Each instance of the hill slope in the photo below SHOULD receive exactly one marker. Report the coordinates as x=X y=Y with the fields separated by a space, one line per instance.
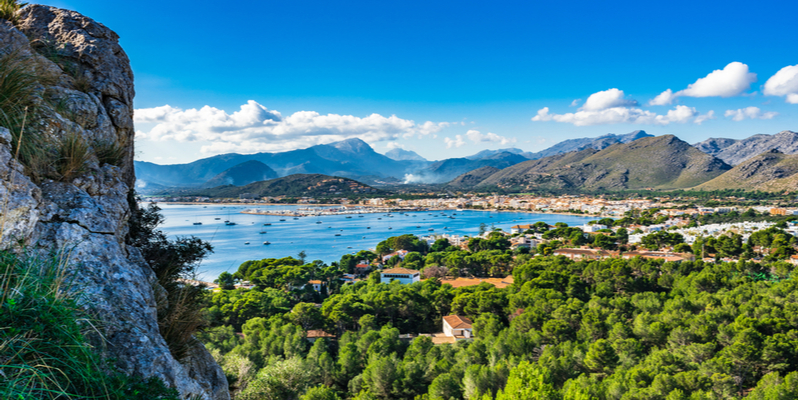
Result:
x=297 y=185
x=449 y=169
x=242 y=174
x=736 y=151
x=652 y=162
x=772 y=171
x=472 y=178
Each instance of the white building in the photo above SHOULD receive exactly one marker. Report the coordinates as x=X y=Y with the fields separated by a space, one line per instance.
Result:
x=457 y=326
x=402 y=275
x=593 y=228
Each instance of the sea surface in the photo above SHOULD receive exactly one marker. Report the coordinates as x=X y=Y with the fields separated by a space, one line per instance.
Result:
x=320 y=240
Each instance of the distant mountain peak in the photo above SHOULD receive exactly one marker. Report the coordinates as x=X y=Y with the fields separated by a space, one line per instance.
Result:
x=352 y=145
x=399 y=154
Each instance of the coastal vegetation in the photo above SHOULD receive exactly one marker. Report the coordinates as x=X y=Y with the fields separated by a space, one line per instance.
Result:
x=592 y=329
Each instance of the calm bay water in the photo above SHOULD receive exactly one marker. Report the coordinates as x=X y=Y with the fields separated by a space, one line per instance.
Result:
x=319 y=241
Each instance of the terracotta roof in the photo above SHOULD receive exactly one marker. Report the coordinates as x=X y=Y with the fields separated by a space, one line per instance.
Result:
x=458 y=322
x=315 y=282
x=362 y=265
x=400 y=271
x=499 y=283
x=319 y=333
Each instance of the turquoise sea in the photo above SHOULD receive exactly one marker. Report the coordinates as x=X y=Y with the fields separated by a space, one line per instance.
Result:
x=320 y=240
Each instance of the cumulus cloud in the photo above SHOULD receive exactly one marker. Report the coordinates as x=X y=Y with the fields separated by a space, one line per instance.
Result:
x=749 y=113
x=607 y=99
x=704 y=117
x=617 y=115
x=457 y=142
x=394 y=145
x=477 y=137
x=730 y=81
x=255 y=128
x=783 y=83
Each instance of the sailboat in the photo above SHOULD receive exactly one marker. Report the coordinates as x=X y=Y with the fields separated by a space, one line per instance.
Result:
x=228 y=221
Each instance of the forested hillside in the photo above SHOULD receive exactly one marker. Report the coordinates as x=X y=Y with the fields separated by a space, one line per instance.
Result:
x=610 y=329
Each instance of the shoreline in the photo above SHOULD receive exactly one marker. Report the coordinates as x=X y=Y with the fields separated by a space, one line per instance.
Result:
x=386 y=209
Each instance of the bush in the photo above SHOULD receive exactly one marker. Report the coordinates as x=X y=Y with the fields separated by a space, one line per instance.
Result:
x=43 y=350
x=175 y=262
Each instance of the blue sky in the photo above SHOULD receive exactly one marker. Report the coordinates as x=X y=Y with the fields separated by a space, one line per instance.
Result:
x=470 y=75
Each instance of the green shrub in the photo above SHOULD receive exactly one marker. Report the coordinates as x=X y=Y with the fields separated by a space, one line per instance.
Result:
x=43 y=350
x=180 y=314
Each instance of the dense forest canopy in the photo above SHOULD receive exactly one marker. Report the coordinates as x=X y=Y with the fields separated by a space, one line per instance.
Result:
x=604 y=329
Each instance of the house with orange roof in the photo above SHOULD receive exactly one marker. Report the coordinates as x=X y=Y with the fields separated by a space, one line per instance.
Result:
x=314 y=334
x=457 y=327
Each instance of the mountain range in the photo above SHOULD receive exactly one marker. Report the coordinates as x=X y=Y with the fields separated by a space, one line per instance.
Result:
x=734 y=151
x=355 y=159
x=772 y=171
x=661 y=162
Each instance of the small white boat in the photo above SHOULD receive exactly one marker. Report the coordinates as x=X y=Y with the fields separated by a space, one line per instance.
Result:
x=266 y=243
x=246 y=242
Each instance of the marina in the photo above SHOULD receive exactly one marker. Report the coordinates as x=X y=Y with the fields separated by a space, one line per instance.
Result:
x=286 y=237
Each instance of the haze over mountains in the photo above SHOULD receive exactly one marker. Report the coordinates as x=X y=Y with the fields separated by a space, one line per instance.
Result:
x=609 y=161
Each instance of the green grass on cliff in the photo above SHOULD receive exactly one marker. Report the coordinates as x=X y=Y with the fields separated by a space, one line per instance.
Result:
x=44 y=353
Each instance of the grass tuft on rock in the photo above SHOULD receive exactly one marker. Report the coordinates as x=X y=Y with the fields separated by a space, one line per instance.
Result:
x=8 y=10
x=44 y=353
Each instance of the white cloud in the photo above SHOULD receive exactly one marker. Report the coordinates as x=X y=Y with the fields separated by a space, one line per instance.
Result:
x=575 y=103
x=663 y=99
x=607 y=99
x=617 y=115
x=749 y=113
x=457 y=142
x=783 y=83
x=704 y=117
x=394 y=145
x=255 y=128
x=477 y=137
x=730 y=81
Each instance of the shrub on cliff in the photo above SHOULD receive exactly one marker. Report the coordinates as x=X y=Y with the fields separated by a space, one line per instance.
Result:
x=180 y=312
x=44 y=353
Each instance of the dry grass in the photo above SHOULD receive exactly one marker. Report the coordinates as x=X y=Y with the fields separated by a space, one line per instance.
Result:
x=8 y=10
x=109 y=152
x=72 y=157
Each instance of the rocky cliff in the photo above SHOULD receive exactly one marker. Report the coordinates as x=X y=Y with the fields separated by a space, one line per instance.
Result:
x=85 y=91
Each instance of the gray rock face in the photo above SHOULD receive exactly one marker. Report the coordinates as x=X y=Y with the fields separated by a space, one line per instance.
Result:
x=734 y=151
x=89 y=92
